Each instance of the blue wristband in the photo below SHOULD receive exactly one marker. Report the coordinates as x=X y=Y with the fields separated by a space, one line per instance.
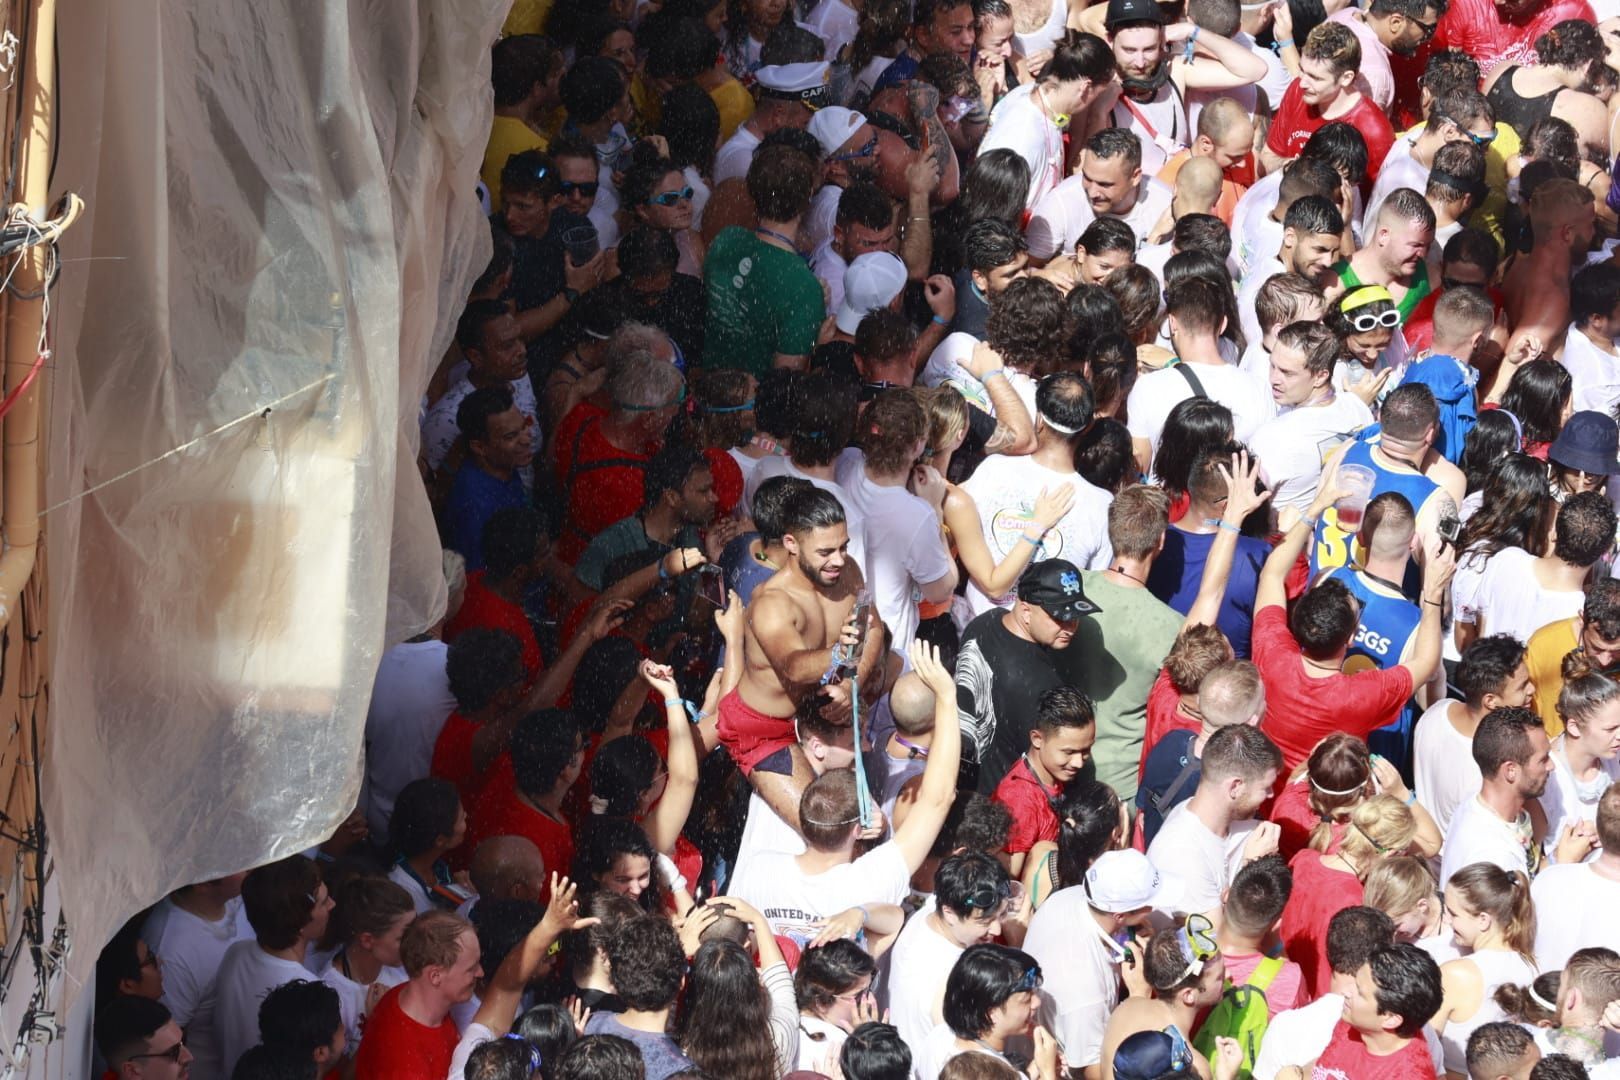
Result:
x=939 y=321
x=1036 y=544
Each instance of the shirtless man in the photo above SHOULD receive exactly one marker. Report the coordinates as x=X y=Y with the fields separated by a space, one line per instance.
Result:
x=796 y=618
x=1563 y=222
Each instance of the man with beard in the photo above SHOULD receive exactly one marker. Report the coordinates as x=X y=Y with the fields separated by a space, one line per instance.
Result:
x=1396 y=251
x=1110 y=182
x=1389 y=27
x=1563 y=221
x=796 y=621
x=1153 y=95
x=1326 y=90
x=1515 y=759
x=1310 y=247
x=865 y=223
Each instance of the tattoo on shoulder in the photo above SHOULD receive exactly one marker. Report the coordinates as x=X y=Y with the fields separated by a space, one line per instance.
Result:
x=999 y=440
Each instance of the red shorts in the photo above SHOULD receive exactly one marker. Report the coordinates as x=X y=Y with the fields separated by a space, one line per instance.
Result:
x=749 y=735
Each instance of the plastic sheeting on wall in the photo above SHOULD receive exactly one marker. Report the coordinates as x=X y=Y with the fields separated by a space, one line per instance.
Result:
x=282 y=226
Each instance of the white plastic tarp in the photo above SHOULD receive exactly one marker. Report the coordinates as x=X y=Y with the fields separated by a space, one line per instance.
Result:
x=281 y=216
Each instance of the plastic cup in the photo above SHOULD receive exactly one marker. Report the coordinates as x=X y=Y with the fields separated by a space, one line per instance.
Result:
x=1357 y=483
x=581 y=243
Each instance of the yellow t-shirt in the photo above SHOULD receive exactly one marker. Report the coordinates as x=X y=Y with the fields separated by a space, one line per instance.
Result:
x=736 y=105
x=526 y=17
x=1543 y=659
x=507 y=136
x=1492 y=212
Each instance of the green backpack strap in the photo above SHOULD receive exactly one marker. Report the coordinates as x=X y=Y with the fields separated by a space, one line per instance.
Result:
x=1265 y=971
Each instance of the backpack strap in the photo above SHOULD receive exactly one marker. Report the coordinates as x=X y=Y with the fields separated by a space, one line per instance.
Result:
x=575 y=468
x=1192 y=379
x=1264 y=972
x=1166 y=799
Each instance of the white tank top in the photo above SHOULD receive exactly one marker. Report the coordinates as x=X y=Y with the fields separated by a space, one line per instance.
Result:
x=1497 y=967
x=1047 y=35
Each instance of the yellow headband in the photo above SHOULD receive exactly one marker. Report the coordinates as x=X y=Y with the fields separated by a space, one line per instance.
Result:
x=1366 y=294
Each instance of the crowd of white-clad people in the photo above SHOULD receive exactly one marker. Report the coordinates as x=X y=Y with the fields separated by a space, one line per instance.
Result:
x=988 y=539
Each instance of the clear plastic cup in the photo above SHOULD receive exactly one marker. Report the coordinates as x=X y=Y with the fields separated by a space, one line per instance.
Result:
x=1357 y=483
x=582 y=244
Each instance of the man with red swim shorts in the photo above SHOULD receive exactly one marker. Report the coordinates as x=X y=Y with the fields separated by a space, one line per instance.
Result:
x=795 y=618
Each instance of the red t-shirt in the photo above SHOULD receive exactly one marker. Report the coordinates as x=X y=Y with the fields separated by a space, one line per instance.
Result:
x=603 y=484
x=1293 y=815
x=1295 y=123
x=1300 y=710
x=1319 y=893
x=483 y=608
x=728 y=481
x=502 y=813
x=1347 y=1058
x=1162 y=717
x=1030 y=801
x=398 y=1048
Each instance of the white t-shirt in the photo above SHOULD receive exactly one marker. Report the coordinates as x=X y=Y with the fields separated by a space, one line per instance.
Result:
x=246 y=975
x=904 y=552
x=1567 y=801
x=829 y=268
x=1080 y=973
x=1595 y=373
x=1292 y=446
x=355 y=1001
x=1575 y=906
x=1400 y=170
x=939 y=1049
x=947 y=366
x=1477 y=834
x=191 y=950
x=1255 y=236
x=834 y=22
x=1207 y=863
x=1446 y=772
x=1065 y=213
x=765 y=831
x=735 y=155
x=1158 y=392
x=796 y=903
x=821 y=218
x=782 y=465
x=1018 y=124
x=919 y=964
x=1511 y=601
x=410 y=700
x=1165 y=132
x=1005 y=490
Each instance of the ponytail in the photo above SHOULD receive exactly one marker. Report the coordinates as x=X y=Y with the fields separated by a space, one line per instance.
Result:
x=1504 y=895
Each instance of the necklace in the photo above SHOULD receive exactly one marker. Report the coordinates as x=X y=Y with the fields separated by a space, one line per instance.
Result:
x=1122 y=572
x=915 y=750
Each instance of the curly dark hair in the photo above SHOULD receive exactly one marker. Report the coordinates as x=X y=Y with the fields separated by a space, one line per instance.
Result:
x=1026 y=320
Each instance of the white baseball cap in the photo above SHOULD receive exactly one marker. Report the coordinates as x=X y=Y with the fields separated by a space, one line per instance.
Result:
x=872 y=282
x=833 y=127
x=1121 y=881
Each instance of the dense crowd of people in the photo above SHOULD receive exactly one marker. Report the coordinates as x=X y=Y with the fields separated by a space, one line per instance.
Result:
x=988 y=539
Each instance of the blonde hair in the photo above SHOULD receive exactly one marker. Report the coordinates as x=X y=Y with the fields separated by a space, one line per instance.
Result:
x=947 y=413
x=1383 y=825
x=1504 y=895
x=1397 y=885
x=433 y=939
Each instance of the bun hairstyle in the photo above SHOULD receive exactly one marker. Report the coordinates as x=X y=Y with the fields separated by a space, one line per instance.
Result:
x=1585 y=689
x=1339 y=772
x=1379 y=827
x=1504 y=895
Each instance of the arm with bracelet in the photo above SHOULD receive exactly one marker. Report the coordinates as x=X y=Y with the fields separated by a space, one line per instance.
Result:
x=1015 y=428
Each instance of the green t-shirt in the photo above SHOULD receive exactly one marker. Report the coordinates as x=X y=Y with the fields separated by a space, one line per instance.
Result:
x=761 y=301
x=624 y=537
x=1121 y=649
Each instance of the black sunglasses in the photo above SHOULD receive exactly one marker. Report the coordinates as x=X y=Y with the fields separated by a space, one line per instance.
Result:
x=587 y=188
x=172 y=1053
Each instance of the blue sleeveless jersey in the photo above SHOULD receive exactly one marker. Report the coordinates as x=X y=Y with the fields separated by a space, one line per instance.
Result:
x=1332 y=546
x=1388 y=623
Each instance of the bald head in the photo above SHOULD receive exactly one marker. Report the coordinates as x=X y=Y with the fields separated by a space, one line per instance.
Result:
x=508 y=868
x=1198 y=186
x=912 y=704
x=1225 y=132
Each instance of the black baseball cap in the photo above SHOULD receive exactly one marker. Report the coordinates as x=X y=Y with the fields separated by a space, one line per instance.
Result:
x=1133 y=11
x=1054 y=585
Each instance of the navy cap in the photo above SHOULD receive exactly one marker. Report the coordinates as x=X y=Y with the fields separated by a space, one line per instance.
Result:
x=1149 y=1055
x=1590 y=442
x=1054 y=585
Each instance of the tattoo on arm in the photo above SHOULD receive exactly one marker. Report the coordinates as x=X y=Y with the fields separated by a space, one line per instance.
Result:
x=1000 y=439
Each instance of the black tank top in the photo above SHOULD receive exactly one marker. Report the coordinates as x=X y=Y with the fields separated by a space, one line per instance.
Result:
x=1518 y=112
